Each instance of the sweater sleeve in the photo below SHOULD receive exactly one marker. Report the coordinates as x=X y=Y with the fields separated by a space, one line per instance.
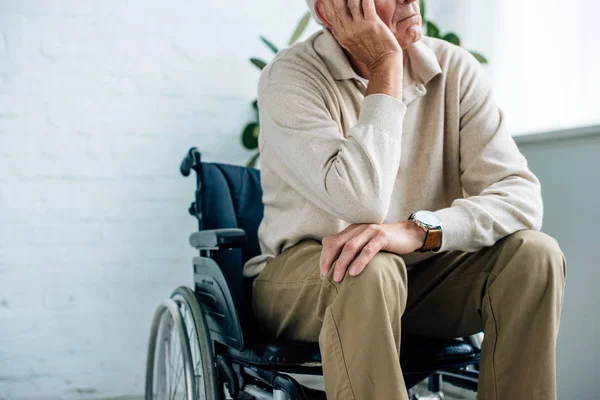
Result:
x=350 y=177
x=502 y=195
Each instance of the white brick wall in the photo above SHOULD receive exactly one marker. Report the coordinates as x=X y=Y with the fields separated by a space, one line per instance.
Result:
x=99 y=101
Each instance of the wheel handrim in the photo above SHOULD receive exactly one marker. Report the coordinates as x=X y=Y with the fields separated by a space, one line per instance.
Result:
x=172 y=376
x=175 y=370
x=192 y=332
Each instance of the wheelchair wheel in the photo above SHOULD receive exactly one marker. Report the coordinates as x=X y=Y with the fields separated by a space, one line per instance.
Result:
x=180 y=354
x=200 y=344
x=169 y=371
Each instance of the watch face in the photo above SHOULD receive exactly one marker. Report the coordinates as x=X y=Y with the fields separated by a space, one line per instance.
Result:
x=428 y=218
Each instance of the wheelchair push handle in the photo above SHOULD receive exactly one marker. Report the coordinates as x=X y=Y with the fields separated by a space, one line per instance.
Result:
x=190 y=161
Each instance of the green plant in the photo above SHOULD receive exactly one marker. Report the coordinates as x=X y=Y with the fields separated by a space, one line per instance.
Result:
x=251 y=131
x=432 y=30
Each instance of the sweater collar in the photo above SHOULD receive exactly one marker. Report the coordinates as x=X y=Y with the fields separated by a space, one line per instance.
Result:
x=424 y=65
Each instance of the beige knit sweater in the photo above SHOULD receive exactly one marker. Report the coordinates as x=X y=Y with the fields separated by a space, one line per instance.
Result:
x=331 y=157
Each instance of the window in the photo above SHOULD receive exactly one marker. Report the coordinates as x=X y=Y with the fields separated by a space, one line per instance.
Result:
x=544 y=57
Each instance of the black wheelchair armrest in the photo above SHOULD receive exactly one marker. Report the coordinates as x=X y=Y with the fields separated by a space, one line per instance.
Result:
x=218 y=239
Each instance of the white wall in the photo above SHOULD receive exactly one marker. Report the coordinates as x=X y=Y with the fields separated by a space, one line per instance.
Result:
x=99 y=101
x=567 y=165
x=549 y=50
x=544 y=57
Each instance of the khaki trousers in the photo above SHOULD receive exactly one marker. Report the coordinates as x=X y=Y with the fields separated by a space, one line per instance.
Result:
x=511 y=291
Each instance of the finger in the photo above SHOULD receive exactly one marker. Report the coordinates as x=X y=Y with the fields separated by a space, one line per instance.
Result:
x=355 y=9
x=332 y=246
x=369 y=10
x=341 y=11
x=369 y=251
x=351 y=231
x=329 y=253
x=326 y=11
x=350 y=251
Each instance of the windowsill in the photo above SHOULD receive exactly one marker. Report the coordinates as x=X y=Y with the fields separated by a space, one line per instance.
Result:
x=558 y=135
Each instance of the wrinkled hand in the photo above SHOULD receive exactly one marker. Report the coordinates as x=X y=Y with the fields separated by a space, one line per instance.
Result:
x=355 y=246
x=358 y=28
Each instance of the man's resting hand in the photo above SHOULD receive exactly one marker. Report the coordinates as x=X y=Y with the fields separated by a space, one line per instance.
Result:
x=355 y=246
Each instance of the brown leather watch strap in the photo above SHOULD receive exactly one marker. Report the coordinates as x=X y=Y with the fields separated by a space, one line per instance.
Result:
x=433 y=241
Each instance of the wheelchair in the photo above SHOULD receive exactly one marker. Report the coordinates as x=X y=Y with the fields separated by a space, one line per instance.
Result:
x=205 y=343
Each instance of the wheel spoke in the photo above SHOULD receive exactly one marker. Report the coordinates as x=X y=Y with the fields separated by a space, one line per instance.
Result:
x=175 y=363
x=160 y=383
x=177 y=370
x=168 y=370
x=180 y=370
x=175 y=354
x=178 y=377
x=194 y=347
x=190 y=321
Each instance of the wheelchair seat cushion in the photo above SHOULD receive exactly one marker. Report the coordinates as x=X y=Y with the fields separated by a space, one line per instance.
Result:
x=279 y=353
x=418 y=354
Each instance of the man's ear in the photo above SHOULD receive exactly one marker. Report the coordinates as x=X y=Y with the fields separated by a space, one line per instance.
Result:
x=320 y=12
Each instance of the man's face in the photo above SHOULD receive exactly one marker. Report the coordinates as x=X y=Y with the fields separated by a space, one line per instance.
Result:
x=403 y=17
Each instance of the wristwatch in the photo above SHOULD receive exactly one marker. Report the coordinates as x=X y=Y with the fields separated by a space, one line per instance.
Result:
x=433 y=230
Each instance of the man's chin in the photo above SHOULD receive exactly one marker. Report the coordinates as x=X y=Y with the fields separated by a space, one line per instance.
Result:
x=410 y=36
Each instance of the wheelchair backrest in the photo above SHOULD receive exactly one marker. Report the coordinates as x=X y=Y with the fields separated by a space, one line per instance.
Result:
x=231 y=197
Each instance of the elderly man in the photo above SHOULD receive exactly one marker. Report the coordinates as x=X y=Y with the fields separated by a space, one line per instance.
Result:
x=397 y=203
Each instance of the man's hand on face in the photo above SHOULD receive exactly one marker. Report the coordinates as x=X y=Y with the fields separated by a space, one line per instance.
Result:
x=357 y=27
x=355 y=246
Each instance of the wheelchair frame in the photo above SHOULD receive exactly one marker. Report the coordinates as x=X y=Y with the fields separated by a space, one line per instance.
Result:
x=218 y=313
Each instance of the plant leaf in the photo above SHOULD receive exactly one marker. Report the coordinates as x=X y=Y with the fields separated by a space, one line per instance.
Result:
x=269 y=44
x=250 y=136
x=259 y=63
x=480 y=57
x=432 y=30
x=452 y=38
x=255 y=105
x=252 y=162
x=422 y=6
x=300 y=28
